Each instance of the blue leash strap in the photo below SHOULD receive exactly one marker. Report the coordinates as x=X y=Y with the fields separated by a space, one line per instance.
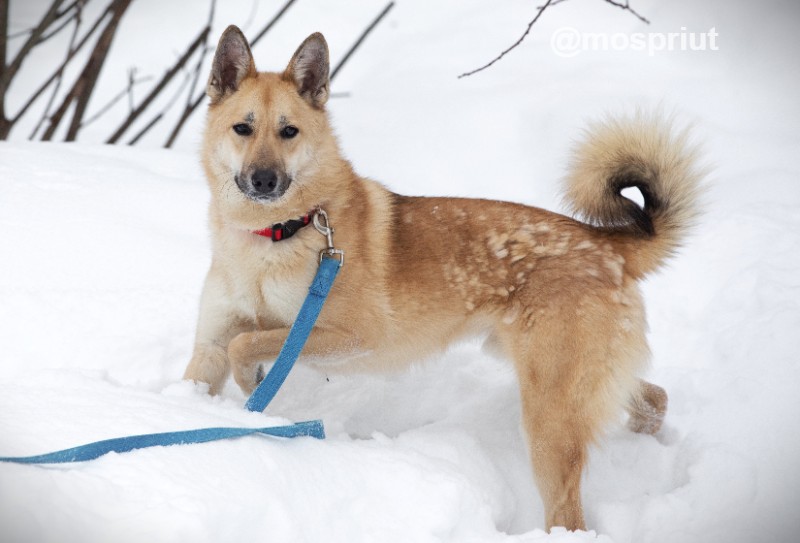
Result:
x=90 y=451
x=298 y=335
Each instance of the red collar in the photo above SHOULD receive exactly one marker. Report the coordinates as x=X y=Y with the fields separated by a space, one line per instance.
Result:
x=285 y=230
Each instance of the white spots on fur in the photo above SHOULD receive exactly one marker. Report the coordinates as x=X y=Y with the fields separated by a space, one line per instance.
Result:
x=511 y=315
x=542 y=228
x=584 y=245
x=435 y=210
x=614 y=263
x=469 y=305
x=621 y=297
x=408 y=218
x=497 y=244
x=560 y=248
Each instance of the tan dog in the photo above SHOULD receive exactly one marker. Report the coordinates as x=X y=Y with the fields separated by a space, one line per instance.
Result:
x=559 y=297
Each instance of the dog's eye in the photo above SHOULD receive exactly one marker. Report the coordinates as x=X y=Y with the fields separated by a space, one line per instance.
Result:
x=243 y=129
x=288 y=132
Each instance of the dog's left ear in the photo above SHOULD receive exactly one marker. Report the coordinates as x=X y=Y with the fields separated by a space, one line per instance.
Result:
x=309 y=70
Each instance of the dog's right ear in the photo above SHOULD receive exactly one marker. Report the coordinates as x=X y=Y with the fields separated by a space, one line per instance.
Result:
x=233 y=62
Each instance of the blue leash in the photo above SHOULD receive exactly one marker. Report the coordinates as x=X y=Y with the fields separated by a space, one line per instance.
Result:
x=90 y=451
x=298 y=335
x=258 y=401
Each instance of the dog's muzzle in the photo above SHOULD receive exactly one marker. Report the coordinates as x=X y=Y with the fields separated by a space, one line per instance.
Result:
x=264 y=184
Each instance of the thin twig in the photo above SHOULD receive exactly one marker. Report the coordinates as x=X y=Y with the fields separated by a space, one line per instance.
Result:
x=60 y=27
x=272 y=22
x=159 y=87
x=515 y=44
x=162 y=113
x=361 y=38
x=82 y=89
x=245 y=26
x=60 y=78
x=550 y=3
x=129 y=89
x=198 y=98
x=28 y=31
x=60 y=70
x=117 y=97
x=11 y=70
x=198 y=67
x=626 y=7
x=205 y=47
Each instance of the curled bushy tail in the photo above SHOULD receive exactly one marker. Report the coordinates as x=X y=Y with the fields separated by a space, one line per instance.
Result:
x=642 y=151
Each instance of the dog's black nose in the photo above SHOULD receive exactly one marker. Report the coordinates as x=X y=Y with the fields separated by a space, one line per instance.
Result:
x=264 y=181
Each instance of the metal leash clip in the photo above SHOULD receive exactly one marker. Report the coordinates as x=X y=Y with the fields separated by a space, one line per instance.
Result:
x=327 y=230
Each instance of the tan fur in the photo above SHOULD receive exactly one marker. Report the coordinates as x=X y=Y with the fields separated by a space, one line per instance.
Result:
x=558 y=297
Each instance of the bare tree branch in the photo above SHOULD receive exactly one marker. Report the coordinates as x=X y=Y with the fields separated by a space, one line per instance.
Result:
x=513 y=46
x=81 y=91
x=198 y=67
x=361 y=38
x=162 y=113
x=549 y=3
x=193 y=104
x=159 y=87
x=70 y=48
x=60 y=70
x=271 y=23
x=117 y=97
x=627 y=7
x=5 y=125
x=78 y=7
x=11 y=70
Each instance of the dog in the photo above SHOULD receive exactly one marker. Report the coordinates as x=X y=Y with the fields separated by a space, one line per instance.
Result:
x=556 y=295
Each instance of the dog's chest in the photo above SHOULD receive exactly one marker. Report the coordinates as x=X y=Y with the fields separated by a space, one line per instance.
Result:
x=270 y=286
x=281 y=296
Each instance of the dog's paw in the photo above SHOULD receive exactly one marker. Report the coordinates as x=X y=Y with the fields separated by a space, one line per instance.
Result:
x=648 y=412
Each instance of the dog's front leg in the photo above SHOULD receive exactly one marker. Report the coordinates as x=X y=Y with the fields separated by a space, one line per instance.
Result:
x=217 y=325
x=247 y=350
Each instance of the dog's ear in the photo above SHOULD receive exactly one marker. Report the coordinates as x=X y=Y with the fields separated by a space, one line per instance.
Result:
x=233 y=62
x=309 y=70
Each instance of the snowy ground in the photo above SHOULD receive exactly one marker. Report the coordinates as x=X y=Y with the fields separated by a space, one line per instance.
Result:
x=104 y=251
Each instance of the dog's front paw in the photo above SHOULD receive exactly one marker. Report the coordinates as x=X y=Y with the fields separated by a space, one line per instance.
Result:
x=209 y=364
x=246 y=374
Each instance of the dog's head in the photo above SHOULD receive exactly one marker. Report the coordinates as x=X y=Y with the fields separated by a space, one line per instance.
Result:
x=267 y=134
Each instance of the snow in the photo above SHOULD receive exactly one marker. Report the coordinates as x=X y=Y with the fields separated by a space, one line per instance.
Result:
x=104 y=250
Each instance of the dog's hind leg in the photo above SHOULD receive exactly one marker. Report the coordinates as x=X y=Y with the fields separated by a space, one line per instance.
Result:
x=558 y=446
x=576 y=365
x=647 y=408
